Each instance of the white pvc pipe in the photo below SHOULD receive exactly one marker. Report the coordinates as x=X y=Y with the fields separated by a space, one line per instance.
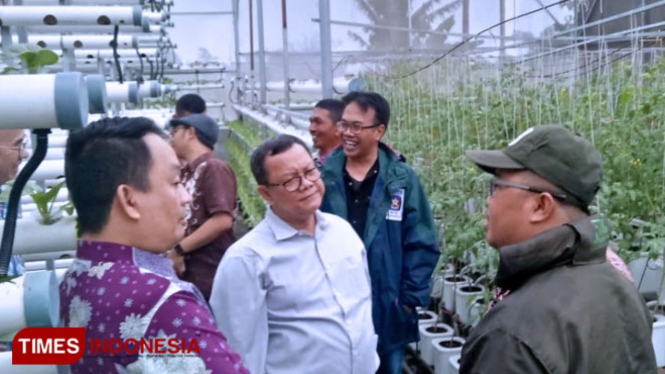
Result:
x=6 y=366
x=340 y=85
x=85 y=2
x=56 y=153
x=51 y=169
x=108 y=53
x=70 y=15
x=122 y=93
x=277 y=127
x=81 y=41
x=12 y=312
x=32 y=237
x=97 y=29
x=43 y=101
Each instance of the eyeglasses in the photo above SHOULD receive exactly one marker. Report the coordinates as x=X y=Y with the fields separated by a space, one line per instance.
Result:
x=20 y=148
x=494 y=183
x=356 y=128
x=294 y=183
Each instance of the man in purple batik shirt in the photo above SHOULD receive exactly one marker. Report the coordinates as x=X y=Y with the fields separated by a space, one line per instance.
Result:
x=124 y=180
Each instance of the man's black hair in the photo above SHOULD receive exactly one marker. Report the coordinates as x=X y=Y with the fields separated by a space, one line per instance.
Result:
x=191 y=103
x=271 y=147
x=101 y=157
x=334 y=107
x=366 y=100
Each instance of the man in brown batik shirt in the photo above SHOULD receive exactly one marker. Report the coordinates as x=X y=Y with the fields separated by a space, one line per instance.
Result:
x=212 y=184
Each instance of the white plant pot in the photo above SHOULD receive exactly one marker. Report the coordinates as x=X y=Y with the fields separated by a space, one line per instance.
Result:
x=454 y=363
x=450 y=283
x=426 y=337
x=428 y=319
x=478 y=308
x=464 y=295
x=437 y=282
x=658 y=339
x=443 y=354
x=647 y=274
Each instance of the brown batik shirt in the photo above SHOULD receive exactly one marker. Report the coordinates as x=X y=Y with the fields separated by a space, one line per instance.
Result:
x=212 y=184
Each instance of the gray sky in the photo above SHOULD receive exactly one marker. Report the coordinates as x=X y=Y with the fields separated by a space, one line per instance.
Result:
x=215 y=32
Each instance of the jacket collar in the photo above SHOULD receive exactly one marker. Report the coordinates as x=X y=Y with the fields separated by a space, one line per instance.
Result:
x=581 y=242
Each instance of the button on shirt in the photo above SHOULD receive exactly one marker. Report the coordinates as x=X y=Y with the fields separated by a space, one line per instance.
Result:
x=291 y=303
x=358 y=195
x=110 y=291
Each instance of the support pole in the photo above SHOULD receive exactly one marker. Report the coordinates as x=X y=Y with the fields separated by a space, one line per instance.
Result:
x=326 y=49
x=285 y=50
x=262 y=53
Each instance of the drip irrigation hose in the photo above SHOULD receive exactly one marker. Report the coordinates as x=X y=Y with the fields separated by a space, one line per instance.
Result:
x=15 y=198
x=116 y=56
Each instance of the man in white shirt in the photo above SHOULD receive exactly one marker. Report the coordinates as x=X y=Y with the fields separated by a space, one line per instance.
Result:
x=293 y=295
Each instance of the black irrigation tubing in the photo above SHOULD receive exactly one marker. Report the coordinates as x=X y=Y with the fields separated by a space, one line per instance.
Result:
x=116 y=56
x=468 y=39
x=141 y=61
x=152 y=69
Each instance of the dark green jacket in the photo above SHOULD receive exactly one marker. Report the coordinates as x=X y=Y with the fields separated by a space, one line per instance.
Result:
x=401 y=253
x=569 y=311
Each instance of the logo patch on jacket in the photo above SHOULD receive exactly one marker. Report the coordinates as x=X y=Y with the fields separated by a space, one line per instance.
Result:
x=396 y=206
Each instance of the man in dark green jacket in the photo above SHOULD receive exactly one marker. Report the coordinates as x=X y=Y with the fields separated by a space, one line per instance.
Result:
x=560 y=308
x=370 y=186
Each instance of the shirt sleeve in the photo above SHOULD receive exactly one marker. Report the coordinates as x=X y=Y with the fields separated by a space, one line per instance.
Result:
x=499 y=352
x=238 y=301
x=218 y=188
x=183 y=316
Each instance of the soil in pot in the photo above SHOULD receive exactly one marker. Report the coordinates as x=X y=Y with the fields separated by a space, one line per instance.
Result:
x=436 y=329
x=450 y=344
x=470 y=289
x=423 y=316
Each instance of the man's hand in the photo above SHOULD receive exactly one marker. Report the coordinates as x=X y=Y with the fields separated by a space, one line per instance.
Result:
x=178 y=262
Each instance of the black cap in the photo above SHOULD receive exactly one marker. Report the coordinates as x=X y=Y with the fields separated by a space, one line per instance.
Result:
x=568 y=161
x=206 y=128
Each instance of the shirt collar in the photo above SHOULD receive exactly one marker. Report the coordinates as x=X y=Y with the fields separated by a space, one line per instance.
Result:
x=97 y=251
x=282 y=230
x=192 y=165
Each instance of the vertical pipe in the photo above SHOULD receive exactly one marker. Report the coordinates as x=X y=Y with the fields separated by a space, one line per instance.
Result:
x=326 y=49
x=502 y=29
x=251 y=37
x=262 y=52
x=236 y=40
x=465 y=18
x=410 y=15
x=285 y=51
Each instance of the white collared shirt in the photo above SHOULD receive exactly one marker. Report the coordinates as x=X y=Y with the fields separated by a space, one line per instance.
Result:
x=289 y=302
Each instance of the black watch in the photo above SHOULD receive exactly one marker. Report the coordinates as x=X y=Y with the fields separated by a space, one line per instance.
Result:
x=178 y=249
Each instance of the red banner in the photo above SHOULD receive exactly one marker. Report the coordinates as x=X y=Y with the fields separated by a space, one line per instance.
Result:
x=48 y=346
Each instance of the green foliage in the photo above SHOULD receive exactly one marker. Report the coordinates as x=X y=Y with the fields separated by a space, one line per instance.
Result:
x=32 y=58
x=45 y=201
x=239 y=146
x=459 y=105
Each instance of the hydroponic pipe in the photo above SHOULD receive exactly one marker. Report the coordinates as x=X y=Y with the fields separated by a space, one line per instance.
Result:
x=15 y=198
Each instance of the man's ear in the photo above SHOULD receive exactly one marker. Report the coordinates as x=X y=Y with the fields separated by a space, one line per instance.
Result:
x=265 y=194
x=544 y=208
x=380 y=131
x=126 y=198
x=190 y=132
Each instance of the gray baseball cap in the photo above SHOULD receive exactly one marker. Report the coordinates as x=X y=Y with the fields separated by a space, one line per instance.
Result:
x=206 y=128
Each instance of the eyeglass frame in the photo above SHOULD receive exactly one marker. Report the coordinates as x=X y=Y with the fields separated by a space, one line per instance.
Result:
x=503 y=183
x=299 y=177
x=355 y=128
x=20 y=148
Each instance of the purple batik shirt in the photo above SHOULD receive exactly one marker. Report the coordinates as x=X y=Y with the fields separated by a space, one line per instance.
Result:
x=120 y=292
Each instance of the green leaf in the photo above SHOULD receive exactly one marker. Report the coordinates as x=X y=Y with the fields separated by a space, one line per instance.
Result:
x=8 y=69
x=46 y=57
